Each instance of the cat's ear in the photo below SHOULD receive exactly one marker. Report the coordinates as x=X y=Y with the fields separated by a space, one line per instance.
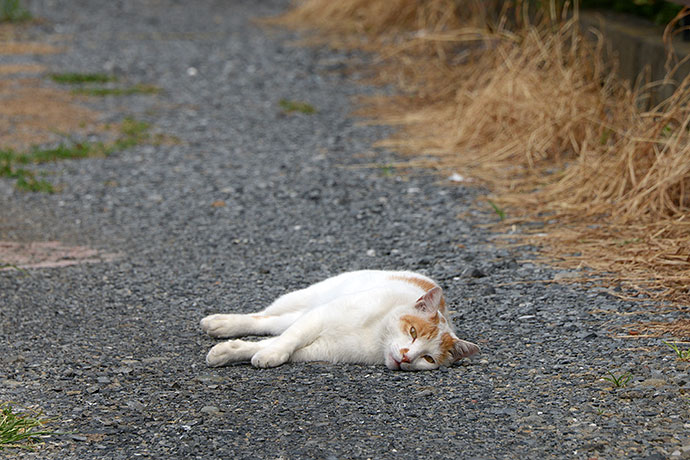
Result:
x=463 y=349
x=431 y=301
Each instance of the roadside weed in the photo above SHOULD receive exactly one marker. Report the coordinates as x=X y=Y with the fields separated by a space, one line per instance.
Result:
x=683 y=355
x=14 y=164
x=497 y=210
x=136 y=89
x=620 y=381
x=73 y=78
x=296 y=106
x=12 y=11
x=4 y=265
x=20 y=430
x=387 y=170
x=88 y=84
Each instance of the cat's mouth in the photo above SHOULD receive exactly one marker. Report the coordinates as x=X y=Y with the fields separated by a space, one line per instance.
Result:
x=394 y=364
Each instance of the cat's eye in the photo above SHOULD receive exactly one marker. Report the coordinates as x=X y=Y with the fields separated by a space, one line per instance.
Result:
x=429 y=359
x=413 y=332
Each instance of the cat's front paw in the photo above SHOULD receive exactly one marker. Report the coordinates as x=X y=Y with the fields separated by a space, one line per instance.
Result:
x=226 y=352
x=270 y=358
x=219 y=325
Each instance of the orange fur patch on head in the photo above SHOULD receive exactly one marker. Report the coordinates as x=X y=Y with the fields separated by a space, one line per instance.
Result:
x=424 y=328
x=425 y=284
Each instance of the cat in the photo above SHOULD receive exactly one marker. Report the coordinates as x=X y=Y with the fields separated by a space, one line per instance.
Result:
x=396 y=318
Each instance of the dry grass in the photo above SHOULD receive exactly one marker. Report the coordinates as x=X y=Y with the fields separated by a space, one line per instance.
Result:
x=31 y=114
x=535 y=112
x=12 y=69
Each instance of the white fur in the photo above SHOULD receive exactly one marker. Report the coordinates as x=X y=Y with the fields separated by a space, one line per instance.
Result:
x=353 y=317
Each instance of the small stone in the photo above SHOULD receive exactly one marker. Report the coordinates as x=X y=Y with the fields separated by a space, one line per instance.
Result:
x=526 y=317
x=655 y=383
x=489 y=290
x=587 y=335
x=103 y=380
x=134 y=404
x=476 y=273
x=560 y=276
x=92 y=389
x=122 y=370
x=210 y=410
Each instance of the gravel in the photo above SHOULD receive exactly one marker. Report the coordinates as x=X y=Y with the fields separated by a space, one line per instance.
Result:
x=113 y=354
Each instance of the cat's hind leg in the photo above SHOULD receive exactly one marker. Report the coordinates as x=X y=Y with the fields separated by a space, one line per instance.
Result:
x=291 y=302
x=234 y=351
x=235 y=325
x=300 y=333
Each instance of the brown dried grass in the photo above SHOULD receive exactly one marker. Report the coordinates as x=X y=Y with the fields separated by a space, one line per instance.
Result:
x=31 y=111
x=536 y=113
x=32 y=114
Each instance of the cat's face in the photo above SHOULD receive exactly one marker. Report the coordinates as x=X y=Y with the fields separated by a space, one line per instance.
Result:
x=421 y=338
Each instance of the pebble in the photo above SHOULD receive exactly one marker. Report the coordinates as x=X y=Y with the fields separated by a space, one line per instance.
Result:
x=210 y=410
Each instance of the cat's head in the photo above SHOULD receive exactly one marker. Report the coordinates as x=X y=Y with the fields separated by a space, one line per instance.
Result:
x=421 y=338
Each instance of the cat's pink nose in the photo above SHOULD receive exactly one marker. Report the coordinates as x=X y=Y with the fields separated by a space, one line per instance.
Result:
x=403 y=352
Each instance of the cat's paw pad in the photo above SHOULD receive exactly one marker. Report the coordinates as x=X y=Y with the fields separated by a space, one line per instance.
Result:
x=224 y=353
x=270 y=358
x=218 y=325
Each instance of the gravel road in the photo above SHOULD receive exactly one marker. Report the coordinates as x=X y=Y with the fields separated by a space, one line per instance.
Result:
x=252 y=202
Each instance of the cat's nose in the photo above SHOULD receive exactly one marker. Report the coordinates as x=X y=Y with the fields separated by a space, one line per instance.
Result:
x=403 y=352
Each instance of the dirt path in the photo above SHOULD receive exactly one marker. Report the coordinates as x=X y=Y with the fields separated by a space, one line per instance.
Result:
x=254 y=200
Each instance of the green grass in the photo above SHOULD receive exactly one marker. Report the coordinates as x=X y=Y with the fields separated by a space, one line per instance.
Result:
x=88 y=82
x=4 y=265
x=134 y=132
x=683 y=355
x=20 y=429
x=12 y=11
x=296 y=106
x=387 y=170
x=497 y=210
x=72 y=78
x=13 y=164
x=621 y=381
x=128 y=91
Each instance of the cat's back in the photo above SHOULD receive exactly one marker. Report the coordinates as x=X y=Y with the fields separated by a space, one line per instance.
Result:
x=376 y=282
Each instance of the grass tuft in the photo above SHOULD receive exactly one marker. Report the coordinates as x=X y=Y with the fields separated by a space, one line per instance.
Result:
x=13 y=164
x=72 y=78
x=683 y=355
x=501 y=213
x=621 y=381
x=20 y=429
x=296 y=106
x=128 y=91
x=12 y=11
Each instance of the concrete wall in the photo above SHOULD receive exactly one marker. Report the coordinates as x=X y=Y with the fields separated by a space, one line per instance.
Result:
x=638 y=45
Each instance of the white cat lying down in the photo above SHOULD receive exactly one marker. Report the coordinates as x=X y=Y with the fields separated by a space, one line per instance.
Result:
x=373 y=317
